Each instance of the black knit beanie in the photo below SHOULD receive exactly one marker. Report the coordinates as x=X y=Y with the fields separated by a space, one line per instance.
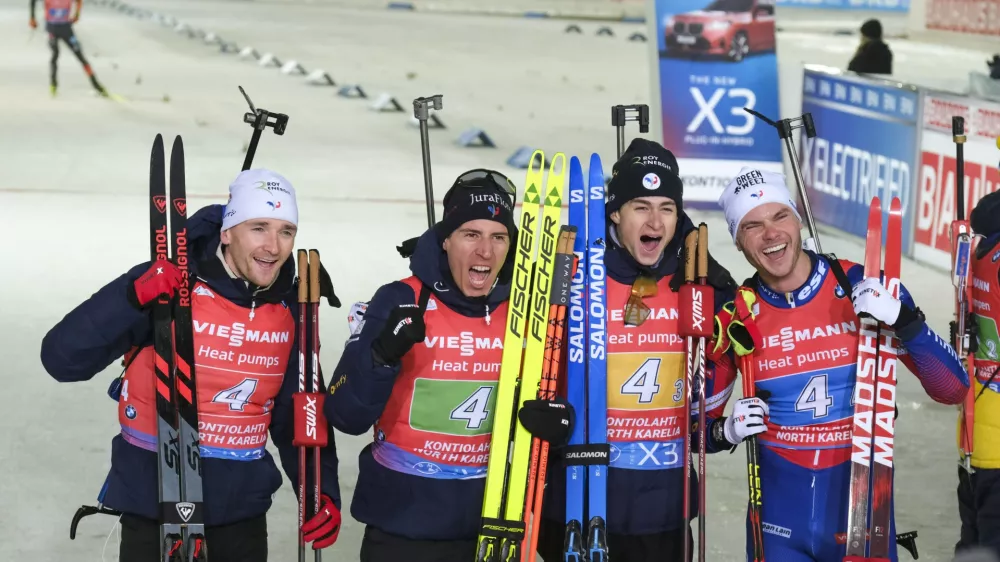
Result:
x=472 y=200
x=645 y=169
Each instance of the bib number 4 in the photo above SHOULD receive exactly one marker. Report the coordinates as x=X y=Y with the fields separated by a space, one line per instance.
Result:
x=474 y=409
x=237 y=396
x=643 y=382
x=815 y=398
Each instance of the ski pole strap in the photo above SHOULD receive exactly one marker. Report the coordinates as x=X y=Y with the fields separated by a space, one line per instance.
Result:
x=502 y=529
x=587 y=454
x=838 y=272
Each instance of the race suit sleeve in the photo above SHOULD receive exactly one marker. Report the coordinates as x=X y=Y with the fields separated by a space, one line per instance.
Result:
x=720 y=381
x=360 y=387
x=283 y=432
x=926 y=354
x=96 y=333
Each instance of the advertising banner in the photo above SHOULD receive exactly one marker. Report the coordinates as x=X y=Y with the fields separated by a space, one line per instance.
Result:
x=935 y=192
x=981 y=17
x=865 y=146
x=902 y=6
x=715 y=58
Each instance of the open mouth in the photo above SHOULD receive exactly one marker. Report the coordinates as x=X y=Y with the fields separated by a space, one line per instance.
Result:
x=265 y=263
x=775 y=252
x=478 y=275
x=650 y=243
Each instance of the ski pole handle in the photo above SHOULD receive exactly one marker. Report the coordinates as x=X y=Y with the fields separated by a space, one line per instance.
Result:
x=690 y=249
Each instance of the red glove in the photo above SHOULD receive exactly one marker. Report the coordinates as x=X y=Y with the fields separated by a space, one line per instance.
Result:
x=323 y=528
x=162 y=277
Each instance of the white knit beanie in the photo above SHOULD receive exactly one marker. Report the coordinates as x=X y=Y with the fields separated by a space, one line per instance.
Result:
x=750 y=189
x=260 y=194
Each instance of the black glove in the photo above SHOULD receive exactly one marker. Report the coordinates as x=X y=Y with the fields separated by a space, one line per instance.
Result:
x=971 y=330
x=548 y=420
x=403 y=329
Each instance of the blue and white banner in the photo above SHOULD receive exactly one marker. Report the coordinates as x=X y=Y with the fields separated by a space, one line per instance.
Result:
x=715 y=58
x=865 y=146
x=902 y=6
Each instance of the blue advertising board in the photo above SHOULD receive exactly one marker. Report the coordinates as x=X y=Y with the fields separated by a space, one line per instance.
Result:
x=902 y=6
x=865 y=146
x=715 y=58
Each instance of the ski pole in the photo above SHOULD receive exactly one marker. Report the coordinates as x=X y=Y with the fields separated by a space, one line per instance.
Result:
x=620 y=114
x=420 y=106
x=260 y=119
x=961 y=255
x=314 y=289
x=701 y=320
x=785 y=128
x=690 y=249
x=753 y=464
x=552 y=362
x=304 y=278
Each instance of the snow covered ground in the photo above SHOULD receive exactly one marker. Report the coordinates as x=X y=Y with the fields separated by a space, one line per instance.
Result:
x=75 y=177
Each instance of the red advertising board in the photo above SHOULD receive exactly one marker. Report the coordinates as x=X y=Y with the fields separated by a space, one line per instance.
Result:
x=935 y=206
x=981 y=17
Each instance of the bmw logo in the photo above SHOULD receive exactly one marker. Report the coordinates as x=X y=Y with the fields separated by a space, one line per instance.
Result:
x=130 y=412
x=839 y=291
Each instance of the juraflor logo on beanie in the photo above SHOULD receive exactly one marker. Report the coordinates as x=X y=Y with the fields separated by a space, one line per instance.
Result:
x=472 y=203
x=260 y=194
x=646 y=169
x=750 y=189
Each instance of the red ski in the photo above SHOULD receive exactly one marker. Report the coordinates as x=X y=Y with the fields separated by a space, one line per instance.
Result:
x=873 y=429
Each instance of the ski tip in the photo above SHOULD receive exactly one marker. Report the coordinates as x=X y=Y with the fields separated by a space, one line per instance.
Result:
x=896 y=206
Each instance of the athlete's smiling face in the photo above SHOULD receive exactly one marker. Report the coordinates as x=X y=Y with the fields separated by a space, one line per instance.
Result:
x=258 y=248
x=645 y=226
x=770 y=238
x=476 y=252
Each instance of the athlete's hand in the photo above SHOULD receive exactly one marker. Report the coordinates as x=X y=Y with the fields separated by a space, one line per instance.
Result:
x=747 y=419
x=323 y=528
x=548 y=420
x=32 y=23
x=356 y=317
x=403 y=329
x=162 y=278
x=872 y=298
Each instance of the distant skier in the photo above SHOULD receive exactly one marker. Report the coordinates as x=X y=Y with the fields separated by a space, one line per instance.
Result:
x=646 y=226
x=979 y=492
x=808 y=321
x=421 y=369
x=244 y=302
x=60 y=16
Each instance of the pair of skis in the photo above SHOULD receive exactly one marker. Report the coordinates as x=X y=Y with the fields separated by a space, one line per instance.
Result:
x=587 y=454
x=537 y=284
x=182 y=529
x=873 y=425
x=310 y=424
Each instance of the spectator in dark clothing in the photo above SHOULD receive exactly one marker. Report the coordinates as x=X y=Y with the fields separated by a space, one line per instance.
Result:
x=873 y=55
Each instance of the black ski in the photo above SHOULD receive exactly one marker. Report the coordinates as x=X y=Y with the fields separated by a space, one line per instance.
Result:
x=180 y=490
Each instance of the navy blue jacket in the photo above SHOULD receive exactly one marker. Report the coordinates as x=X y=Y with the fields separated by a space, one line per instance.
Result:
x=404 y=504
x=105 y=327
x=641 y=501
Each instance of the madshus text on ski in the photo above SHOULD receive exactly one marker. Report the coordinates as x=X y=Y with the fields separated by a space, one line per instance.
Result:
x=535 y=387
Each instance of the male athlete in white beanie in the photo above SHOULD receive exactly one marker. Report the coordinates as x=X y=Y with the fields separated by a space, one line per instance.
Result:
x=243 y=298
x=258 y=226
x=806 y=309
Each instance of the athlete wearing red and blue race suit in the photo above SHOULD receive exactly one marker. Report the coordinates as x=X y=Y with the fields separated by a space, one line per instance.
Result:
x=246 y=351
x=60 y=15
x=805 y=367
